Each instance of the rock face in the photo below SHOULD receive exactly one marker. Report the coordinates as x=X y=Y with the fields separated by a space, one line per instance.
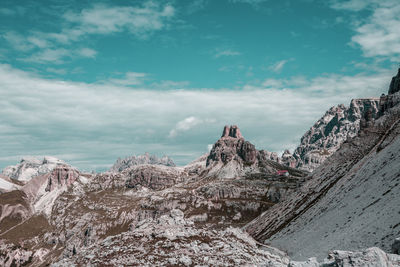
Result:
x=330 y=131
x=348 y=202
x=395 y=84
x=61 y=176
x=122 y=164
x=30 y=167
x=232 y=156
x=153 y=177
x=232 y=146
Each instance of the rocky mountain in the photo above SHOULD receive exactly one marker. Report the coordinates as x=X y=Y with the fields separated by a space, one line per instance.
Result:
x=122 y=164
x=349 y=202
x=230 y=207
x=30 y=167
x=77 y=214
x=327 y=135
x=332 y=130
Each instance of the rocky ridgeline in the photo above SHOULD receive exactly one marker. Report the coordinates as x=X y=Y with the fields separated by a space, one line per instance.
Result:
x=30 y=167
x=348 y=202
x=122 y=164
x=337 y=125
x=327 y=135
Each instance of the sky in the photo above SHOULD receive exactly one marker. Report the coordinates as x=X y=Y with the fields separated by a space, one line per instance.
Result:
x=91 y=81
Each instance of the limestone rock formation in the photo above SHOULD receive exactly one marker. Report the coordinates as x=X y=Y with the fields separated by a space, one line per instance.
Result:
x=327 y=135
x=122 y=164
x=348 y=202
x=30 y=167
x=153 y=177
x=61 y=176
x=232 y=156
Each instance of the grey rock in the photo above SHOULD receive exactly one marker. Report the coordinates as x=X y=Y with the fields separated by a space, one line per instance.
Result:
x=126 y=163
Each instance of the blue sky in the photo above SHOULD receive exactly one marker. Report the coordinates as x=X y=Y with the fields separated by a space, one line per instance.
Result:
x=91 y=81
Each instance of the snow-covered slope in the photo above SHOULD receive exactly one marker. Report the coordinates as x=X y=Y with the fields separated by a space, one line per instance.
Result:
x=30 y=167
x=6 y=184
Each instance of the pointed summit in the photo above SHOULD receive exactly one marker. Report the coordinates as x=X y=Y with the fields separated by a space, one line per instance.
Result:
x=232 y=131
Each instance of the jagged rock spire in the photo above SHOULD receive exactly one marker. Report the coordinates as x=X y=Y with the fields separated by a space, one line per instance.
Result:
x=232 y=131
x=395 y=84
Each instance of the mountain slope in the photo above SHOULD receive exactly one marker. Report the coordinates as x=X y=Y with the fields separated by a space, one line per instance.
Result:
x=349 y=202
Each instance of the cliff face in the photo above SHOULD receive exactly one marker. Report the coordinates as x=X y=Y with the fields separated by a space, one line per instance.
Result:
x=348 y=202
x=232 y=156
x=395 y=84
x=326 y=136
x=337 y=125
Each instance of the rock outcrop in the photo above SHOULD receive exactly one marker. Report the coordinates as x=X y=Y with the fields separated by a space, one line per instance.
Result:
x=327 y=135
x=153 y=177
x=122 y=164
x=61 y=176
x=232 y=147
x=395 y=84
x=232 y=156
x=30 y=167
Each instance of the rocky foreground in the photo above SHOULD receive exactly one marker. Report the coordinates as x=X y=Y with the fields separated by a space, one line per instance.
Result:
x=230 y=207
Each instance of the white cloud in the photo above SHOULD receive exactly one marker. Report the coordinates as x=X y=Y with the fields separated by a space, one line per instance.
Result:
x=228 y=52
x=379 y=34
x=99 y=122
x=140 y=21
x=131 y=78
x=353 y=5
x=184 y=125
x=53 y=47
x=55 y=56
x=17 y=41
x=278 y=66
x=87 y=52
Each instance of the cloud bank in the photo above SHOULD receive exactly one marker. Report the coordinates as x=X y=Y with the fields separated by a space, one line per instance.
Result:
x=90 y=125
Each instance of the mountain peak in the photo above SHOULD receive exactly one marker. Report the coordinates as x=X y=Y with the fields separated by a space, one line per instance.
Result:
x=231 y=131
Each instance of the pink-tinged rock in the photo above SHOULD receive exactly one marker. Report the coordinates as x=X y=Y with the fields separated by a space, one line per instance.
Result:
x=61 y=176
x=232 y=131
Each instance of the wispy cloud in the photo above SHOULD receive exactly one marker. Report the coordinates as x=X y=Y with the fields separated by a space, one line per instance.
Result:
x=252 y=2
x=379 y=34
x=131 y=78
x=140 y=21
x=226 y=53
x=87 y=52
x=184 y=125
x=278 y=66
x=103 y=19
